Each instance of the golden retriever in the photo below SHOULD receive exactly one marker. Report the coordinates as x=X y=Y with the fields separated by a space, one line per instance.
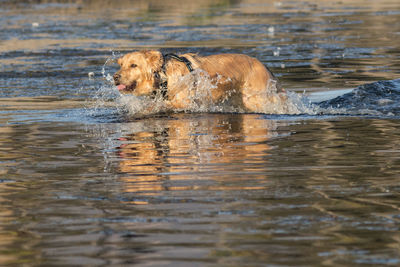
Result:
x=236 y=79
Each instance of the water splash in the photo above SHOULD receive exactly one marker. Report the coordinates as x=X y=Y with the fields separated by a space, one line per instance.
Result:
x=200 y=100
x=377 y=99
x=106 y=95
x=107 y=76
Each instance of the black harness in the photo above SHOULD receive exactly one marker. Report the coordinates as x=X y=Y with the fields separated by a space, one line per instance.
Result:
x=162 y=86
x=180 y=59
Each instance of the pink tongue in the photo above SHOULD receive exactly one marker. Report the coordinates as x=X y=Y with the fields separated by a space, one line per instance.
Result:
x=121 y=87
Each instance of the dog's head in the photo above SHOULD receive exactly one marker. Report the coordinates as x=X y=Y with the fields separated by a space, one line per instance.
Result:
x=136 y=75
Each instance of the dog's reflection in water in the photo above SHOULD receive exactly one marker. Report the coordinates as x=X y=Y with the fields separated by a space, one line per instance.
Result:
x=179 y=148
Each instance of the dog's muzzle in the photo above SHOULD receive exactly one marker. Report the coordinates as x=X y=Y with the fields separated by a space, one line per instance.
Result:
x=123 y=87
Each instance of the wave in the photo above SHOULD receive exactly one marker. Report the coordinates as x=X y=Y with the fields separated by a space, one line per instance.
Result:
x=380 y=98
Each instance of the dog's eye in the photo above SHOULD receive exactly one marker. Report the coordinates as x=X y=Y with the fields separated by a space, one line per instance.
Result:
x=133 y=66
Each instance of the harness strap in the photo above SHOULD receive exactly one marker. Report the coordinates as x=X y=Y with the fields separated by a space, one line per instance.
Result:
x=162 y=86
x=180 y=59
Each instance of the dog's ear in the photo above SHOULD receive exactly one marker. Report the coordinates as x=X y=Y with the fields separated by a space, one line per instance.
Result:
x=154 y=59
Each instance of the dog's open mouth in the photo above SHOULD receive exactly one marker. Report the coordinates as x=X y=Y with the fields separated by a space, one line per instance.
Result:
x=126 y=88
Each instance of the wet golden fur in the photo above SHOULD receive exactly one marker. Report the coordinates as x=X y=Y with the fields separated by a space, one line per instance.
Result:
x=237 y=78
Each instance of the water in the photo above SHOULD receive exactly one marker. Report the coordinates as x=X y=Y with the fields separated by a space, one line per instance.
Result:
x=87 y=179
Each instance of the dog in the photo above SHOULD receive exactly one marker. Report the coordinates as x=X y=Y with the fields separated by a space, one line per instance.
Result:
x=237 y=79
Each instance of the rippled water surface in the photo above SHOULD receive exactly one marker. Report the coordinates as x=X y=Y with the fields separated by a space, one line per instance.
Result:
x=86 y=180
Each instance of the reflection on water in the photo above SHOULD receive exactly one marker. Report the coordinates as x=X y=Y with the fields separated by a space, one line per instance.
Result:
x=206 y=189
x=215 y=143
x=84 y=183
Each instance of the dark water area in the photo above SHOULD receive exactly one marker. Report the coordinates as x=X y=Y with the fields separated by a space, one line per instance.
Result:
x=86 y=181
x=379 y=98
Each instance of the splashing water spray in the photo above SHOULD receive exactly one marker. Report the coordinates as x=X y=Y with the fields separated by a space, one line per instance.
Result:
x=199 y=100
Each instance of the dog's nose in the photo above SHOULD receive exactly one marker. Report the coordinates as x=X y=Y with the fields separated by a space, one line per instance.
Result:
x=116 y=77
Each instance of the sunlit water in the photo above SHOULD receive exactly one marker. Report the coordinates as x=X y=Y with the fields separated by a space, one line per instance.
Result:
x=88 y=178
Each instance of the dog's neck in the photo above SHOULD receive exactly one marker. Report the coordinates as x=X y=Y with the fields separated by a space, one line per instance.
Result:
x=160 y=77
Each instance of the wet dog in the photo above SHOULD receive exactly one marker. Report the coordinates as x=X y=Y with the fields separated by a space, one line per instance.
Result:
x=236 y=79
